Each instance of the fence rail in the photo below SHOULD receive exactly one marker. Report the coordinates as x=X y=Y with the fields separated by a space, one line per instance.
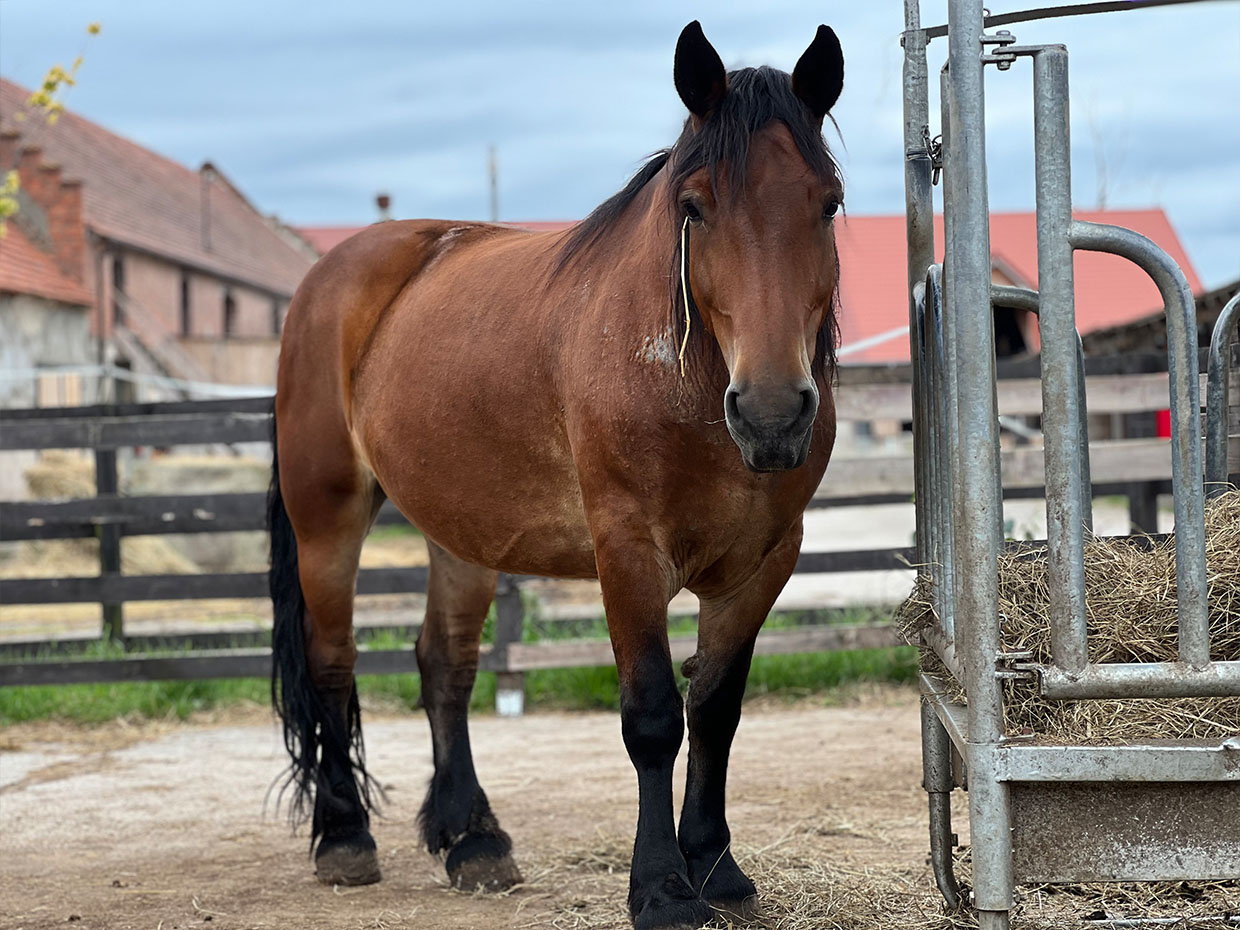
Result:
x=1138 y=468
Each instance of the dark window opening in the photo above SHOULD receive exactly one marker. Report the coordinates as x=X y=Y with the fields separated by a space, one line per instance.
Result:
x=230 y=314
x=277 y=315
x=187 y=323
x=1009 y=338
x=118 y=289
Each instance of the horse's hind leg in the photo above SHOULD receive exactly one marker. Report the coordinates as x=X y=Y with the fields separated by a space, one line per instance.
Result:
x=313 y=577
x=456 y=817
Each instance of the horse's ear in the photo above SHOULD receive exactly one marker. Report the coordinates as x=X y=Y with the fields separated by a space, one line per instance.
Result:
x=818 y=77
x=700 y=77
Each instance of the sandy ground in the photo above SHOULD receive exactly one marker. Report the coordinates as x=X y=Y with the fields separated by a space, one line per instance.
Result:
x=162 y=825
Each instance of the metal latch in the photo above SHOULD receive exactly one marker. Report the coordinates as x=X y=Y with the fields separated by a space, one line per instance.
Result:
x=1015 y=666
x=1000 y=58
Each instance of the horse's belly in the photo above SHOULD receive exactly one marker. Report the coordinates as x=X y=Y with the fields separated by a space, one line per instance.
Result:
x=490 y=496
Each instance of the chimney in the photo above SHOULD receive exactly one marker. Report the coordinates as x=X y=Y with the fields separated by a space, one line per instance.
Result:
x=64 y=220
x=384 y=203
x=8 y=149
x=29 y=161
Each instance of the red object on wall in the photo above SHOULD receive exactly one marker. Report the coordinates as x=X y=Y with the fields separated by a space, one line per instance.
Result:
x=1162 y=420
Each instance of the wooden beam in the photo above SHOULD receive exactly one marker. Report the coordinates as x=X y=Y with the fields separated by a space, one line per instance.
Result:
x=256 y=663
x=120 y=588
x=146 y=430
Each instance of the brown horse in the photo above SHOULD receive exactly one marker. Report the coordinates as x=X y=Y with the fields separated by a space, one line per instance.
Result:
x=549 y=404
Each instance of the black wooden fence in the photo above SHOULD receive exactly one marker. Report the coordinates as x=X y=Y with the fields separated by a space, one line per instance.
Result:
x=1137 y=468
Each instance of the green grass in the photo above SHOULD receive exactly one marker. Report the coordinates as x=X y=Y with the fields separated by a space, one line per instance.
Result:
x=791 y=676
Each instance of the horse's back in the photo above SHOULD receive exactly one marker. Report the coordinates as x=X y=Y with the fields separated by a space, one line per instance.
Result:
x=427 y=348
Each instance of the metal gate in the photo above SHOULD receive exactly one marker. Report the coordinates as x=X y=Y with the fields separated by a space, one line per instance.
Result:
x=1045 y=813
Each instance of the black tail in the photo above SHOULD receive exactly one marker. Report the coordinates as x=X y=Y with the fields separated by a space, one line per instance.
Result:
x=310 y=727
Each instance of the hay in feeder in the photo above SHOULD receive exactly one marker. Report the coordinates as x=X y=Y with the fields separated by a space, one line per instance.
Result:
x=1130 y=593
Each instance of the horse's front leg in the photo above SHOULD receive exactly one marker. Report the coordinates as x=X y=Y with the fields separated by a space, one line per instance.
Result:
x=733 y=610
x=636 y=590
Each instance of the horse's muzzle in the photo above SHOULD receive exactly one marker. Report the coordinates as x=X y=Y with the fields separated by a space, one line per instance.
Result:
x=771 y=425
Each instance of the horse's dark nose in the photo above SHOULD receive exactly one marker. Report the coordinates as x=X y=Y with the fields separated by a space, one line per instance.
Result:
x=771 y=423
x=786 y=409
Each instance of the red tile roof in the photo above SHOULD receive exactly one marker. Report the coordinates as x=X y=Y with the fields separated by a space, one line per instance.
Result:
x=1109 y=290
x=137 y=197
x=326 y=238
x=27 y=269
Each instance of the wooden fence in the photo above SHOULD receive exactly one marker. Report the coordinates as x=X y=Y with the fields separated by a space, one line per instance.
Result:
x=1138 y=468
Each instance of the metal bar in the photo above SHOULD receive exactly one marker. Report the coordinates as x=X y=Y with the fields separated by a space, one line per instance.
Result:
x=1022 y=298
x=1216 y=398
x=1057 y=12
x=1061 y=385
x=919 y=233
x=1142 y=680
x=1186 y=466
x=943 y=419
x=936 y=761
x=978 y=507
x=1126 y=763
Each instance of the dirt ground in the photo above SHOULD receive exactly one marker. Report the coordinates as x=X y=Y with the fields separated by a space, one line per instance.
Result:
x=161 y=826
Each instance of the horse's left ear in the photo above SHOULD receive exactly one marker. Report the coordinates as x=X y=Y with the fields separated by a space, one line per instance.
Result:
x=818 y=77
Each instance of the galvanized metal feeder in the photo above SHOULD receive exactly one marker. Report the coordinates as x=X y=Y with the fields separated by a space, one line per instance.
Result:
x=1162 y=810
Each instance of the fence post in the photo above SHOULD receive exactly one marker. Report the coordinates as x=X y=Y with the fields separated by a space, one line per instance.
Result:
x=109 y=534
x=509 y=622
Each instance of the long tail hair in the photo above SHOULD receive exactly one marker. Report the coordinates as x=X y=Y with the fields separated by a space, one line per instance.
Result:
x=309 y=725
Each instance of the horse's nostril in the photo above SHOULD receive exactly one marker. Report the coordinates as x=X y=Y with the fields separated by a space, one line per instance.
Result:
x=731 y=404
x=809 y=405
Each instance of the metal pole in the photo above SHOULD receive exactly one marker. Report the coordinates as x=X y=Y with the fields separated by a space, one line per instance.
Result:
x=1061 y=387
x=1186 y=466
x=919 y=231
x=1217 y=398
x=978 y=514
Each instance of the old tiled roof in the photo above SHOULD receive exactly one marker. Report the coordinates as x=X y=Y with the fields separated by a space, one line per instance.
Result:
x=135 y=196
x=326 y=238
x=1109 y=290
x=27 y=269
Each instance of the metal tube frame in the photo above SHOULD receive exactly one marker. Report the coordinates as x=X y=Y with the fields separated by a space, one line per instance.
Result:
x=957 y=463
x=1216 y=398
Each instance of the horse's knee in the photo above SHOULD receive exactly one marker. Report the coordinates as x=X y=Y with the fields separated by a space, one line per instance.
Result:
x=652 y=719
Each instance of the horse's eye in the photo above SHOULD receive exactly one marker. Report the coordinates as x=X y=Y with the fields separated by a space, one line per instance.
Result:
x=691 y=211
x=830 y=208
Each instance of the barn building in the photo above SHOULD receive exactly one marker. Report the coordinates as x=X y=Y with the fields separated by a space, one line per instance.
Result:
x=120 y=258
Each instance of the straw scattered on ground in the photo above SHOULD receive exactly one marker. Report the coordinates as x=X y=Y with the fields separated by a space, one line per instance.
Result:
x=801 y=888
x=1132 y=617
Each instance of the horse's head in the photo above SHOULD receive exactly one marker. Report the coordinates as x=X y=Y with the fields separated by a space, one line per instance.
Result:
x=755 y=192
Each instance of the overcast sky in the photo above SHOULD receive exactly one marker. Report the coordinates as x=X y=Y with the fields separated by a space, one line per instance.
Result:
x=311 y=108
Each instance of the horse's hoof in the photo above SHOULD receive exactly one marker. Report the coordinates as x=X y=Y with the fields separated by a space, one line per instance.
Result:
x=737 y=911
x=481 y=862
x=348 y=862
x=674 y=906
x=729 y=890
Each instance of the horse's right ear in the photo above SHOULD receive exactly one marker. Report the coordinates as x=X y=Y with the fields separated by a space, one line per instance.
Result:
x=700 y=77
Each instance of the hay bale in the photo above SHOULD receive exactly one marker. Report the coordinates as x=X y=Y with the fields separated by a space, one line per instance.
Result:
x=1130 y=595
x=61 y=474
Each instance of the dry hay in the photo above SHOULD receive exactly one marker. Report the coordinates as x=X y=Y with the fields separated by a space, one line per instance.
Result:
x=1130 y=594
x=803 y=886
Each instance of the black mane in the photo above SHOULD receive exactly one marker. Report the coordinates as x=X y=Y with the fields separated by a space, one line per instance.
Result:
x=755 y=98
